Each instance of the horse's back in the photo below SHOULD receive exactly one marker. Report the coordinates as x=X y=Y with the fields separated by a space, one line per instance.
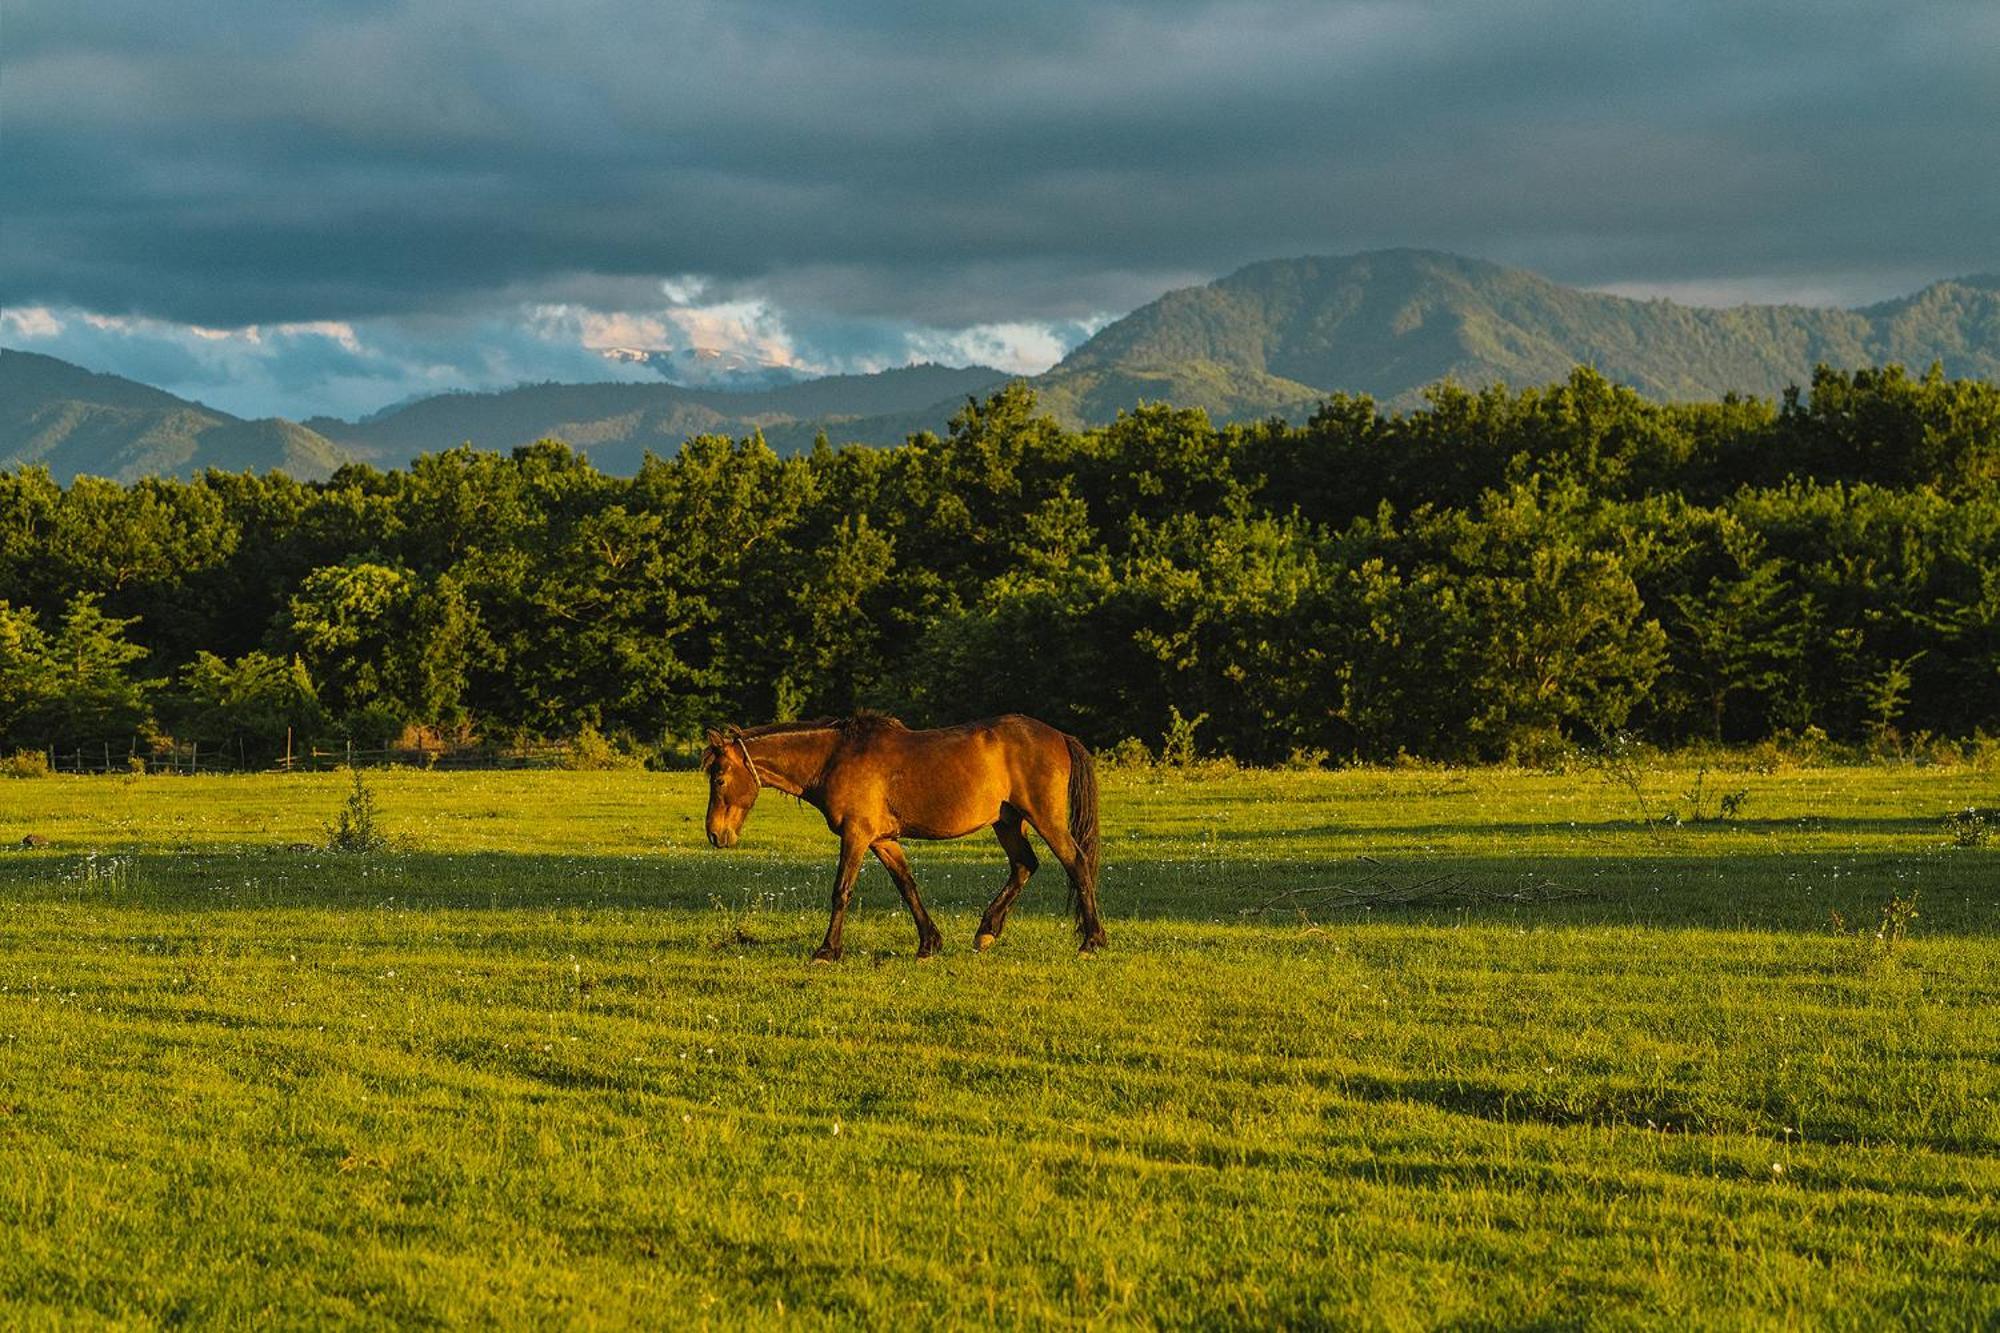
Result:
x=1025 y=747
x=949 y=781
x=1007 y=728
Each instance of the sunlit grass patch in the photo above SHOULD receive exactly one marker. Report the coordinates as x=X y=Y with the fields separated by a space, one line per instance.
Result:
x=549 y=1058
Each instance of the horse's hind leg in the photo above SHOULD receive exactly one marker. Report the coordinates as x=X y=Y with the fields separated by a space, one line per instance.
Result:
x=1083 y=893
x=1021 y=863
x=890 y=853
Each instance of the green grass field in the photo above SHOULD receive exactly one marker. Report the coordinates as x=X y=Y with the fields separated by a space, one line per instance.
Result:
x=555 y=1061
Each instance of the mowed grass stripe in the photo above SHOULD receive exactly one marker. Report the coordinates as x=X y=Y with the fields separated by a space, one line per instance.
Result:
x=566 y=1070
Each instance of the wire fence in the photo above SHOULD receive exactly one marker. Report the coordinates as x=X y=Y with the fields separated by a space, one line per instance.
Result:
x=104 y=758
x=548 y=755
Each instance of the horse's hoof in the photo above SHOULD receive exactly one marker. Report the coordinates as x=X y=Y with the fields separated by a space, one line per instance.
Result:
x=983 y=941
x=826 y=956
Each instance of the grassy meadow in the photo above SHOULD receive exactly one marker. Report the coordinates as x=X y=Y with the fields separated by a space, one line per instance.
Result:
x=554 y=1061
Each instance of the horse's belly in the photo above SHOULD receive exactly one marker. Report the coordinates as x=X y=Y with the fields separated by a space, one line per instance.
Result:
x=939 y=820
x=940 y=831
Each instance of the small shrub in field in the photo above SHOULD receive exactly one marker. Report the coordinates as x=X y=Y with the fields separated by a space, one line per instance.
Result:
x=25 y=764
x=1128 y=753
x=1897 y=914
x=590 y=751
x=1728 y=805
x=1937 y=751
x=356 y=829
x=1972 y=828
x=1626 y=763
x=1177 y=746
x=1878 y=948
x=434 y=743
x=1623 y=762
x=1788 y=749
x=1544 y=752
x=1305 y=758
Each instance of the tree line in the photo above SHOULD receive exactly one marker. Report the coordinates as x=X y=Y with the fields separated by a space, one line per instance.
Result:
x=1490 y=575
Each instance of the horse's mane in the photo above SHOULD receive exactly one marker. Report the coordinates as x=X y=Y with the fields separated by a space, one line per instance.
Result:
x=864 y=722
x=786 y=728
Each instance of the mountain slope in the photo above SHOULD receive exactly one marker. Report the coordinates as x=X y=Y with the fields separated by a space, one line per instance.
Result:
x=616 y=424
x=1270 y=339
x=1096 y=394
x=1390 y=322
x=75 y=422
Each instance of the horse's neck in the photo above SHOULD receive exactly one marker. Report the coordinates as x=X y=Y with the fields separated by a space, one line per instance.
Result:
x=791 y=761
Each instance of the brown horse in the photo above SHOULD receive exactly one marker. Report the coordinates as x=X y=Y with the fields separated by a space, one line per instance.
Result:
x=877 y=782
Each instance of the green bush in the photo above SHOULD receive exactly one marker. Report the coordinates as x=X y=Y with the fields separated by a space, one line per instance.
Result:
x=356 y=829
x=590 y=750
x=1128 y=753
x=25 y=764
x=1972 y=828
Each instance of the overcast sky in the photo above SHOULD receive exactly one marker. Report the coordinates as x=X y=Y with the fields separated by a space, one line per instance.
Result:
x=298 y=207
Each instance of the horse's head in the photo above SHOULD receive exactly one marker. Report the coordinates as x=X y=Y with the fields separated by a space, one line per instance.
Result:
x=732 y=786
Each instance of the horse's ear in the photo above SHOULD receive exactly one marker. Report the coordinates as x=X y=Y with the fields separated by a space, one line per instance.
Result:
x=715 y=738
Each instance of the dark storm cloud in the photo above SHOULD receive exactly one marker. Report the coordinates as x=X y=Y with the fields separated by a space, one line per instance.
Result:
x=237 y=162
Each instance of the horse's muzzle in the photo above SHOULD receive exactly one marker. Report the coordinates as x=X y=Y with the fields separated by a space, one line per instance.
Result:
x=723 y=840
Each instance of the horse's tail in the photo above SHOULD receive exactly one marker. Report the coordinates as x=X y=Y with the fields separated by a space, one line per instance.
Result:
x=1082 y=825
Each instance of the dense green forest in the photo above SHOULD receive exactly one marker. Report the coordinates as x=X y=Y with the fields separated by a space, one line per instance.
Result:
x=1491 y=575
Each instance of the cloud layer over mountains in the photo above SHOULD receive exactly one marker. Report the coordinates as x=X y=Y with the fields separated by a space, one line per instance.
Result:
x=400 y=197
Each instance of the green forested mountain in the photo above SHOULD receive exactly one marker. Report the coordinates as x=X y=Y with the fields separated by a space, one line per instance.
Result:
x=1390 y=322
x=74 y=423
x=79 y=423
x=1090 y=395
x=616 y=424
x=1271 y=339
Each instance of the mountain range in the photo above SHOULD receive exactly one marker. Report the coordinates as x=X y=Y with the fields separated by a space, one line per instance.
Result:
x=73 y=421
x=1273 y=338
x=1391 y=322
x=617 y=423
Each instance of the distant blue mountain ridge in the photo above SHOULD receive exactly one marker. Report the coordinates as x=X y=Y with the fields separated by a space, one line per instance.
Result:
x=1273 y=338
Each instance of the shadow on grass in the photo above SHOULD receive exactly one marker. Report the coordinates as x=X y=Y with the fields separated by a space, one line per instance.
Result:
x=1767 y=890
x=1668 y=1110
x=1864 y=826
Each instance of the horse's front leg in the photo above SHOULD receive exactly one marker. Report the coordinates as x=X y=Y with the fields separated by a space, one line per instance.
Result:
x=852 y=849
x=890 y=853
